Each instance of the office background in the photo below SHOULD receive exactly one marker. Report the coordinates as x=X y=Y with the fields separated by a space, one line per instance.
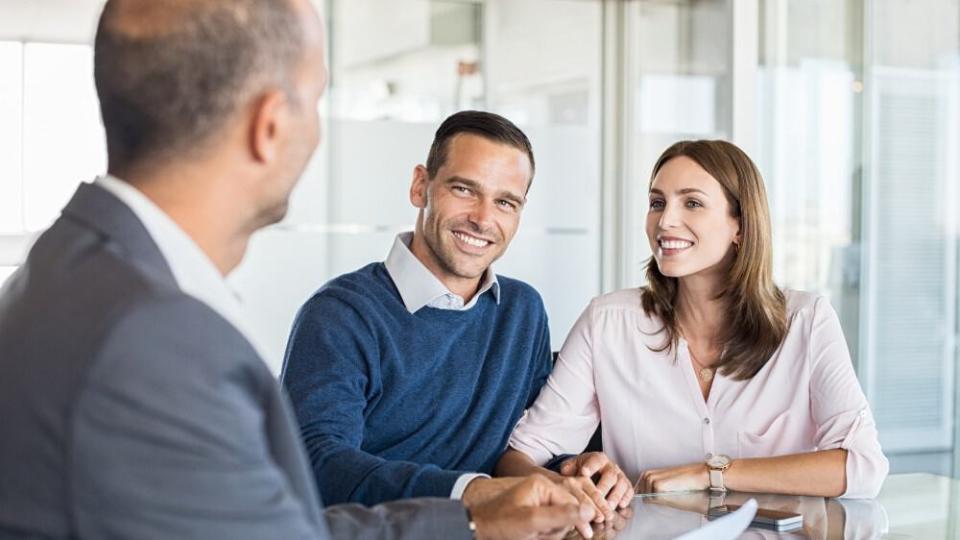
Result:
x=851 y=109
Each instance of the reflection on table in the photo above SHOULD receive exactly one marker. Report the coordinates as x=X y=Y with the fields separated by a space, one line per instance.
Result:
x=920 y=506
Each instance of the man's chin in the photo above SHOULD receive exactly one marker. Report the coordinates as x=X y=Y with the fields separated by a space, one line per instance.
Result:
x=273 y=214
x=466 y=266
x=470 y=272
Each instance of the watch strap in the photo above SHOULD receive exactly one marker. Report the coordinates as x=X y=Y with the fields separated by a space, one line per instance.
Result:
x=716 y=480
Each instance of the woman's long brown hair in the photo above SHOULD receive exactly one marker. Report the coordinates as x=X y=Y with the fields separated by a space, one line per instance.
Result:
x=756 y=308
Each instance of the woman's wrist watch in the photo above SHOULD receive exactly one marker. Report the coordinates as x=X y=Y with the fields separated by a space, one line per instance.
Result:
x=715 y=466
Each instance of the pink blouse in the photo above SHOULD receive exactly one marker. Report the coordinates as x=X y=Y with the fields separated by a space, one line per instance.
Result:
x=806 y=398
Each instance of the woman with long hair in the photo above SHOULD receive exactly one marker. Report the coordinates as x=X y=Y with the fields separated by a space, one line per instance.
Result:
x=710 y=376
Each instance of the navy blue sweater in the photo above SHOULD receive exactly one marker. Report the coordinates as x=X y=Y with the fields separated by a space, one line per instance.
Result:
x=394 y=405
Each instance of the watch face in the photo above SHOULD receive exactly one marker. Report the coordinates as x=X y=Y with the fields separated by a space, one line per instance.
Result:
x=718 y=462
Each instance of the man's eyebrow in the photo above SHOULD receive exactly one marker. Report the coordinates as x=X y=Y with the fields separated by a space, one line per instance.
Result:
x=465 y=181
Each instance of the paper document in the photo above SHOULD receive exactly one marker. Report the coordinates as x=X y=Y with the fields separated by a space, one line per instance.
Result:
x=728 y=527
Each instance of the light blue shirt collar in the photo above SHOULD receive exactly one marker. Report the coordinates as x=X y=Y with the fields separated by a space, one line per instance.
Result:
x=418 y=286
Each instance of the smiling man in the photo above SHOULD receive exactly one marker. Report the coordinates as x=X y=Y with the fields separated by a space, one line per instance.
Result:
x=408 y=375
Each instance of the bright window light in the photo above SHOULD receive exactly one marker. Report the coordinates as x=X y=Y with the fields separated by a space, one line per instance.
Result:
x=63 y=141
x=5 y=272
x=11 y=113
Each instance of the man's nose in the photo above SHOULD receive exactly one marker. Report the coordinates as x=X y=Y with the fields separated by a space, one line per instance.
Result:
x=482 y=213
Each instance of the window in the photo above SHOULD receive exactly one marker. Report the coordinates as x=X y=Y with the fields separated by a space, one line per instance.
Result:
x=858 y=145
x=63 y=141
x=6 y=272
x=51 y=138
x=678 y=86
x=11 y=155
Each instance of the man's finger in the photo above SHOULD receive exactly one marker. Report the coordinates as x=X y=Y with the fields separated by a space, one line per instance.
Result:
x=617 y=491
x=597 y=498
x=585 y=530
x=569 y=467
x=593 y=463
x=608 y=479
x=584 y=498
x=558 y=534
x=545 y=519
x=627 y=499
x=552 y=494
x=586 y=493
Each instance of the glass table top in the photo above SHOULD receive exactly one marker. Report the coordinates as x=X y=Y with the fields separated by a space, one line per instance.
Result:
x=920 y=506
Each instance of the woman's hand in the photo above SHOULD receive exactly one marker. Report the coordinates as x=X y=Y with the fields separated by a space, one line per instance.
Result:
x=688 y=477
x=612 y=484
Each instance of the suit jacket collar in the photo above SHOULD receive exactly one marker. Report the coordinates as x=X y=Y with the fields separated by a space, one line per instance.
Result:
x=98 y=209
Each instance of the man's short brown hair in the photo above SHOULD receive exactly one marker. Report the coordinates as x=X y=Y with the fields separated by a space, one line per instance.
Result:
x=485 y=124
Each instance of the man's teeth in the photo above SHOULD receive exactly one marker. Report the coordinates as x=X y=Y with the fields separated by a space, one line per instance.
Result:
x=476 y=242
x=675 y=244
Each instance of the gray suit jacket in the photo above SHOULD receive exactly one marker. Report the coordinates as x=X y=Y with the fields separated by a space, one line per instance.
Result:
x=131 y=410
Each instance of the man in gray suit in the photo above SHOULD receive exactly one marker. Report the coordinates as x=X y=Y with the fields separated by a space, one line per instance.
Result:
x=131 y=405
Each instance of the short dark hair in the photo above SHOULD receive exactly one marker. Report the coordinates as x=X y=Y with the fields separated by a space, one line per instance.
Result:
x=167 y=86
x=485 y=124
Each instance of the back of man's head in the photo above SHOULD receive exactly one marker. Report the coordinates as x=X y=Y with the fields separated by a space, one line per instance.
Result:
x=170 y=74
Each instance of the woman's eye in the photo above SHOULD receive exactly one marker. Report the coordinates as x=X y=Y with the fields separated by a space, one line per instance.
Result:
x=656 y=204
x=692 y=203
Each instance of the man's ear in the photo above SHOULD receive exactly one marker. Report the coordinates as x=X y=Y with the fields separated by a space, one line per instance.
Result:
x=268 y=126
x=418 y=187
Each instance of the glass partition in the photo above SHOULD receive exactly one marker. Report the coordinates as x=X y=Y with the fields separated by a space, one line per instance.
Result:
x=912 y=114
x=11 y=114
x=63 y=140
x=397 y=70
x=858 y=111
x=678 y=86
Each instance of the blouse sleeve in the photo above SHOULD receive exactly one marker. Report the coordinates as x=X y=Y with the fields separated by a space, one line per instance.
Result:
x=565 y=414
x=839 y=407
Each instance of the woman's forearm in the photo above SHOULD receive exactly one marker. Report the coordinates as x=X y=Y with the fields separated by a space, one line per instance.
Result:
x=822 y=473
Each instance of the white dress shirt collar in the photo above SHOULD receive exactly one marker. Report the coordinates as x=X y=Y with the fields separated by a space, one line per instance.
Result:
x=418 y=286
x=193 y=271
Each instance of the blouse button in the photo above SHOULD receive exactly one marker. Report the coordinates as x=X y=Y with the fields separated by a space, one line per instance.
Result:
x=706 y=421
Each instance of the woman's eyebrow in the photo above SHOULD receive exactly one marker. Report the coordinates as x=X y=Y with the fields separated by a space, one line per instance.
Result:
x=683 y=191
